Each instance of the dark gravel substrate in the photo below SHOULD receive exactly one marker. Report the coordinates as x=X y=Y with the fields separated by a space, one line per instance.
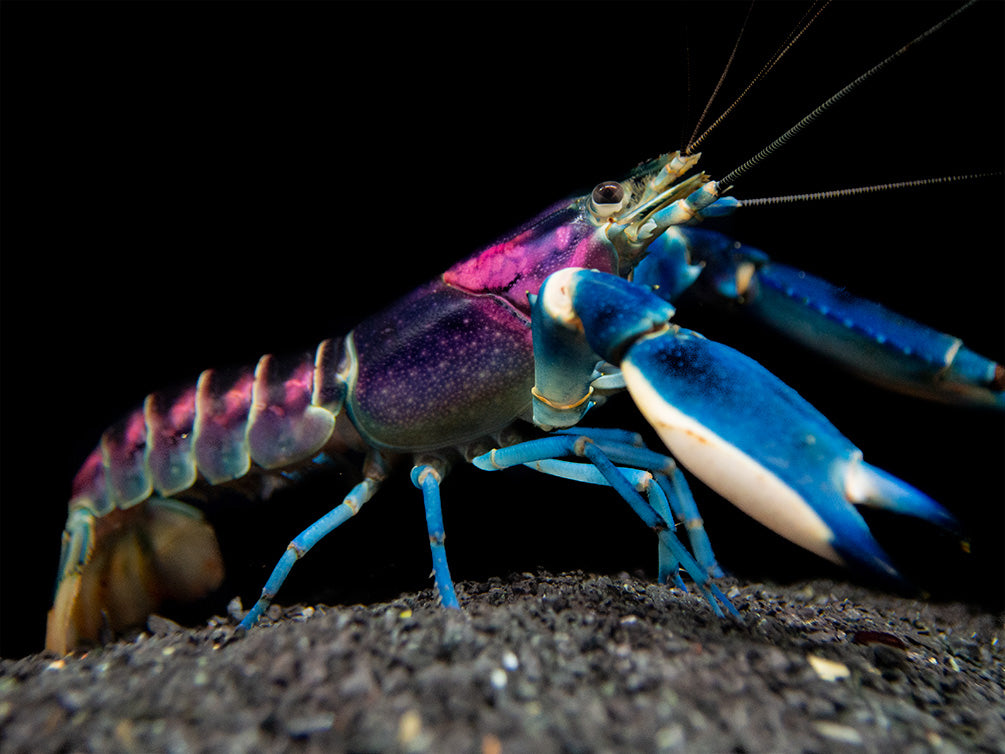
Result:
x=536 y=664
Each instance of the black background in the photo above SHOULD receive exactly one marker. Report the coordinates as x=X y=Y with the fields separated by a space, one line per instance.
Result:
x=192 y=185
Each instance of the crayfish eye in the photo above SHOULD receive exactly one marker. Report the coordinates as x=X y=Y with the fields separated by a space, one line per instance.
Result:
x=607 y=198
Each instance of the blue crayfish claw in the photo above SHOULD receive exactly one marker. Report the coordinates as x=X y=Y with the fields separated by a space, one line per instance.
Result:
x=860 y=336
x=759 y=444
x=733 y=424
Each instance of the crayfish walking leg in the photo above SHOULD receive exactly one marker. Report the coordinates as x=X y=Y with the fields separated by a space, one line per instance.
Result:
x=427 y=478
x=375 y=472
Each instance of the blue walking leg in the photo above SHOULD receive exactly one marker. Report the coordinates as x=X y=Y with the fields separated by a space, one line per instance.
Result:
x=304 y=541
x=427 y=479
x=685 y=509
x=712 y=593
x=669 y=477
x=605 y=434
x=541 y=454
x=624 y=448
x=612 y=442
x=622 y=444
x=669 y=566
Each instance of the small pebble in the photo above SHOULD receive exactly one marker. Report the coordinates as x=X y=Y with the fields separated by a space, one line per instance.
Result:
x=306 y=725
x=828 y=670
x=837 y=732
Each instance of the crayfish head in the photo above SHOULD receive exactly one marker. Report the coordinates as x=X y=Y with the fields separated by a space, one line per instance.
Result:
x=656 y=196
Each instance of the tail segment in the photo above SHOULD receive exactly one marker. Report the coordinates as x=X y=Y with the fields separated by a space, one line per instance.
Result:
x=119 y=568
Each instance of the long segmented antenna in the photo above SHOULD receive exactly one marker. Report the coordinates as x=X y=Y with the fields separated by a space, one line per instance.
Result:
x=858 y=190
x=727 y=181
x=718 y=85
x=804 y=24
